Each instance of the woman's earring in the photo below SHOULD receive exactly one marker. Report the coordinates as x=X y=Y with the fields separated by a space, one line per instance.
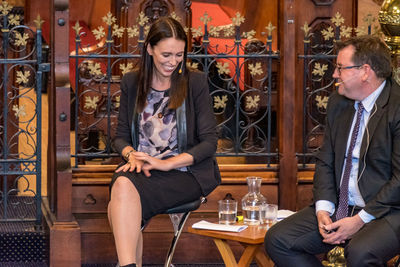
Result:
x=180 y=69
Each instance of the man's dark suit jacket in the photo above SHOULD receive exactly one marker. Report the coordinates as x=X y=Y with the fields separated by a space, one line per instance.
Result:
x=195 y=123
x=379 y=184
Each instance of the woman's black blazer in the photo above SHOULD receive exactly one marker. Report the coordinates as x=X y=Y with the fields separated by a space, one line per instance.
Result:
x=196 y=125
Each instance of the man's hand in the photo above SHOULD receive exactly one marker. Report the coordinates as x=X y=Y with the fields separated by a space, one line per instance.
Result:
x=342 y=229
x=323 y=220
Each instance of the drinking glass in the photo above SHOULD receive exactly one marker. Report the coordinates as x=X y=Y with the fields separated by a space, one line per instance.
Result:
x=268 y=215
x=227 y=211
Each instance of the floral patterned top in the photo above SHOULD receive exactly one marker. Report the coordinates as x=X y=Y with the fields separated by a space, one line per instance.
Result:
x=157 y=127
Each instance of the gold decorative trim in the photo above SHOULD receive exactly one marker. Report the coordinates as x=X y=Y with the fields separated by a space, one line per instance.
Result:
x=109 y=19
x=252 y=102
x=223 y=68
x=77 y=28
x=205 y=18
x=255 y=69
x=99 y=33
x=337 y=19
x=5 y=8
x=238 y=19
x=220 y=102
x=39 y=22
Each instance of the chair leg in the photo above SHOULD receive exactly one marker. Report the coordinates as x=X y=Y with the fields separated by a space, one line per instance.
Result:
x=178 y=222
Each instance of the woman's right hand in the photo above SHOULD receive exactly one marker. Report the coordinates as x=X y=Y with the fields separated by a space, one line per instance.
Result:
x=131 y=165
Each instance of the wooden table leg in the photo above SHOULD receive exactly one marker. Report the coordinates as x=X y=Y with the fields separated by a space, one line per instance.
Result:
x=262 y=259
x=226 y=252
x=248 y=255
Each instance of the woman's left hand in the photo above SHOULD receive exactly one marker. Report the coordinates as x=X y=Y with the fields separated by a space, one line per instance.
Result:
x=152 y=163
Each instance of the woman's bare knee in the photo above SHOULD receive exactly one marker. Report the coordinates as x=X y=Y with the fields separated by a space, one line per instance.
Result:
x=123 y=190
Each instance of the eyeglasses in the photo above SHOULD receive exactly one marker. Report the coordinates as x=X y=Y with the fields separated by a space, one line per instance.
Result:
x=340 y=68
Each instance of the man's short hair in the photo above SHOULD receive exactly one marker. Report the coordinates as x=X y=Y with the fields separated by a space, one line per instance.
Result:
x=370 y=50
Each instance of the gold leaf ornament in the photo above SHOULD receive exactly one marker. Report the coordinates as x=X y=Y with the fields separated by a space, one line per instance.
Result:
x=322 y=102
x=14 y=20
x=197 y=32
x=369 y=19
x=319 y=70
x=19 y=111
x=99 y=33
x=345 y=31
x=270 y=28
x=361 y=31
x=117 y=101
x=238 y=19
x=125 y=68
x=142 y=19
x=39 y=22
x=94 y=69
x=5 y=8
x=186 y=29
x=146 y=29
x=229 y=31
x=252 y=102
x=337 y=19
x=109 y=19
x=77 y=28
x=192 y=65
x=255 y=69
x=328 y=33
x=175 y=16
x=91 y=102
x=220 y=102
x=23 y=77
x=214 y=31
x=133 y=31
x=249 y=35
x=306 y=30
x=223 y=68
x=21 y=40
x=205 y=18
x=118 y=31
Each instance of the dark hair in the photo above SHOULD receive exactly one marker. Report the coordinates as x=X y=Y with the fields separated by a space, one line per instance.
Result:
x=164 y=27
x=370 y=50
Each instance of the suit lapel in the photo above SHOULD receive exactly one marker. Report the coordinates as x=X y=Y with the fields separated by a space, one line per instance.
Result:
x=373 y=121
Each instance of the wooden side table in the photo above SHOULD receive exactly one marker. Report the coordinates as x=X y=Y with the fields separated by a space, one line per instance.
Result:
x=252 y=239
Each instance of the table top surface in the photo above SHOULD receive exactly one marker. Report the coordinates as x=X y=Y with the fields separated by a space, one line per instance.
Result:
x=251 y=235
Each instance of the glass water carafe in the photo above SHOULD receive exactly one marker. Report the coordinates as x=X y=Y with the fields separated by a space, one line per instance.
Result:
x=252 y=201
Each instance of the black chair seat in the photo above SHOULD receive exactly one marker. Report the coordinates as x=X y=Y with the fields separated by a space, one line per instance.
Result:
x=191 y=206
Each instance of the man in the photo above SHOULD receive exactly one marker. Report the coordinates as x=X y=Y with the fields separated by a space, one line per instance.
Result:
x=357 y=176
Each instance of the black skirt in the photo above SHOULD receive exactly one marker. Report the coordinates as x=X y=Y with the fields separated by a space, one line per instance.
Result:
x=162 y=190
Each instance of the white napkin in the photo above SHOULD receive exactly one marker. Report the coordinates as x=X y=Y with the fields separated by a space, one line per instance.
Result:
x=218 y=227
x=282 y=214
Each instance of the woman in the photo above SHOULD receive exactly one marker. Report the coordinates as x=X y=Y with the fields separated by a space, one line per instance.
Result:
x=167 y=136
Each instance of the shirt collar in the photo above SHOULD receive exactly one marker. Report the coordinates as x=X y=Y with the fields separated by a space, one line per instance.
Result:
x=369 y=101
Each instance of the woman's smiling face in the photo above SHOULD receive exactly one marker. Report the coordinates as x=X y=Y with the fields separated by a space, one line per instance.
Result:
x=167 y=55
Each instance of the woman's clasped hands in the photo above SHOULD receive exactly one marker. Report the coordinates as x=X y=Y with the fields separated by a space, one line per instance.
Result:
x=141 y=161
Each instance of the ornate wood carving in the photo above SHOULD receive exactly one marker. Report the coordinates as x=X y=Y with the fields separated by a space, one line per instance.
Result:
x=323 y=2
x=155 y=9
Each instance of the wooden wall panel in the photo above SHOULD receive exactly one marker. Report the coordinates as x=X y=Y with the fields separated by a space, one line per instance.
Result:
x=92 y=12
x=315 y=14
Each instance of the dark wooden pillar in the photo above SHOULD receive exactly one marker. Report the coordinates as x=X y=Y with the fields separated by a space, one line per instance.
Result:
x=65 y=246
x=286 y=114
